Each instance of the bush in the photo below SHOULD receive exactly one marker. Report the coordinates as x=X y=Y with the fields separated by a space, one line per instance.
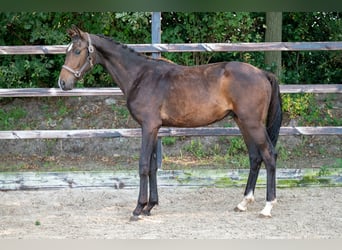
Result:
x=49 y=28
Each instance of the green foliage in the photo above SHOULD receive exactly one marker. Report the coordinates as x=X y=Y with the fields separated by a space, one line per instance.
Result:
x=196 y=148
x=324 y=171
x=224 y=182
x=236 y=146
x=62 y=108
x=297 y=104
x=49 y=28
x=8 y=118
x=169 y=141
x=312 y=66
x=210 y=27
x=305 y=108
x=338 y=163
x=121 y=112
x=282 y=151
x=43 y=28
x=237 y=152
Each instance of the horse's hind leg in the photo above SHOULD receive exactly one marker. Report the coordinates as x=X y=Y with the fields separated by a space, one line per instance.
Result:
x=269 y=157
x=255 y=163
x=260 y=149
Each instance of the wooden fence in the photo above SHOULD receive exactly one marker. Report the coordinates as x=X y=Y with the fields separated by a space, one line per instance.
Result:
x=153 y=48
x=186 y=47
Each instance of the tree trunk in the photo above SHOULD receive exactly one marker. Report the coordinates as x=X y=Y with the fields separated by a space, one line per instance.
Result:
x=273 y=34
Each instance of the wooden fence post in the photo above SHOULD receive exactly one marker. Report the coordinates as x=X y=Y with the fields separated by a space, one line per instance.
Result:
x=274 y=34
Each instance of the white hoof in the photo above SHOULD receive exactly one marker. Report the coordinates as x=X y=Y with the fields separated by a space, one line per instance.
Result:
x=266 y=212
x=242 y=206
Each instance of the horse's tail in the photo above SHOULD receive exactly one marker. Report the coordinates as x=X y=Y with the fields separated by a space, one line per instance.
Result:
x=274 y=116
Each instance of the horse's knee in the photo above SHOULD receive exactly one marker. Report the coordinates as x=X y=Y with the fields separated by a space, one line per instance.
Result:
x=271 y=167
x=255 y=162
x=144 y=170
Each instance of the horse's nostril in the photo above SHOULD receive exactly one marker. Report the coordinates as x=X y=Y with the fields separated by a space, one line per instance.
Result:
x=61 y=83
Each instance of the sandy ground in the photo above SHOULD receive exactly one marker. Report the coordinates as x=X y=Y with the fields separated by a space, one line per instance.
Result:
x=183 y=213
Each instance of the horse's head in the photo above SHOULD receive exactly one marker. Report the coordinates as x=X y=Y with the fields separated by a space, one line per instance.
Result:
x=79 y=58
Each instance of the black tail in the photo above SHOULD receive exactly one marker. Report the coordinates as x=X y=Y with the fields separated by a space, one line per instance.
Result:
x=274 y=116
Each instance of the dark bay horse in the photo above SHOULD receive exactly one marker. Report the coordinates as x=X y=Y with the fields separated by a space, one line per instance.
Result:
x=160 y=93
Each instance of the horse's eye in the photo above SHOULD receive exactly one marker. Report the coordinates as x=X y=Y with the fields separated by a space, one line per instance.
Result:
x=77 y=51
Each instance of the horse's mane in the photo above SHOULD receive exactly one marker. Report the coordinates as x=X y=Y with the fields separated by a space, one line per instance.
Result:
x=124 y=46
x=165 y=60
x=117 y=43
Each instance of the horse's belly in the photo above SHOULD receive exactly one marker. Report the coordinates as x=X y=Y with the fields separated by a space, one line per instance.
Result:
x=193 y=118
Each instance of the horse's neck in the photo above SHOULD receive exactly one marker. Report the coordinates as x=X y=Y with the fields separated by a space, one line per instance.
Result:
x=122 y=64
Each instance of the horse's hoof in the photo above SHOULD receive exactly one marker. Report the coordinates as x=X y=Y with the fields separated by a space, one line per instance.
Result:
x=236 y=209
x=146 y=213
x=266 y=212
x=135 y=218
x=261 y=215
x=239 y=209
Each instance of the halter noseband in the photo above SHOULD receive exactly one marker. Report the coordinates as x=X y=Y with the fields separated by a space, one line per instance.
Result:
x=78 y=73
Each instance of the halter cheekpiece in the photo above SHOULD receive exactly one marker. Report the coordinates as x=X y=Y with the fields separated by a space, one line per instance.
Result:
x=78 y=73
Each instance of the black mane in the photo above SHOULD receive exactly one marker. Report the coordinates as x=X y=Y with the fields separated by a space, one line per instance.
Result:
x=124 y=46
x=117 y=43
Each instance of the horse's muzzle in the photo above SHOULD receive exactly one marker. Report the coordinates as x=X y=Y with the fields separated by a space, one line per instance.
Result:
x=63 y=85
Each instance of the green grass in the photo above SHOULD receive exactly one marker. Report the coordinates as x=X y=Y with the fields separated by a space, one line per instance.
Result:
x=62 y=108
x=11 y=119
x=236 y=153
x=121 y=112
x=169 y=140
x=236 y=146
x=196 y=149
x=224 y=182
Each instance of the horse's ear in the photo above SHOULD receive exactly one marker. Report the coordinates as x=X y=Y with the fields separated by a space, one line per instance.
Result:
x=74 y=32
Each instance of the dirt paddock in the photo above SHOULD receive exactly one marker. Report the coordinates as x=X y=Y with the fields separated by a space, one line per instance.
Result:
x=183 y=213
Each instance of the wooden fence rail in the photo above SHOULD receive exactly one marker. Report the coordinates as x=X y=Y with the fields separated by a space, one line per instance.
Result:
x=185 y=47
x=115 y=133
x=45 y=92
x=157 y=48
x=169 y=131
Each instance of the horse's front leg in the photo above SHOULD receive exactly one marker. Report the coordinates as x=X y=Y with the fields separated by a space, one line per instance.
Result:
x=153 y=199
x=149 y=139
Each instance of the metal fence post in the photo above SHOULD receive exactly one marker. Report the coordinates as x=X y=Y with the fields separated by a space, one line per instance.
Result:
x=156 y=38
